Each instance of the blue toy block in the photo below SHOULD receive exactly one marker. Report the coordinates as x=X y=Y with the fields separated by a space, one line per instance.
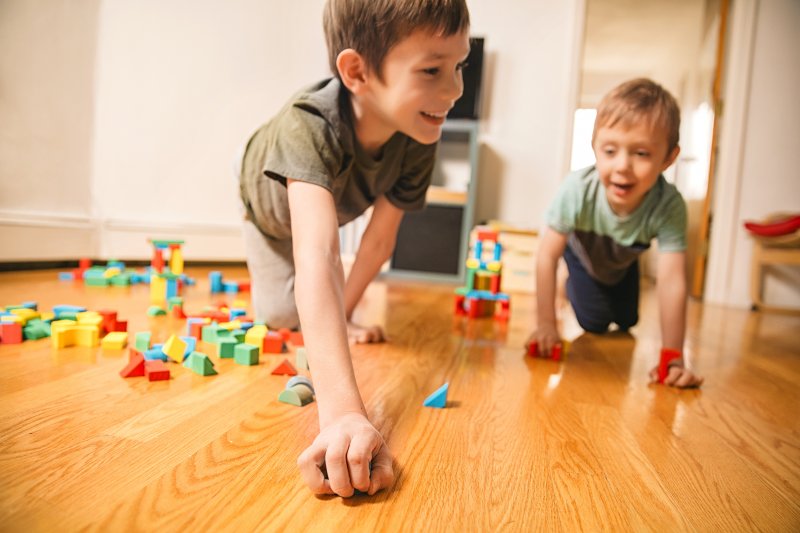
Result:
x=438 y=399
x=155 y=353
x=191 y=344
x=230 y=287
x=66 y=276
x=246 y=325
x=237 y=312
x=215 y=281
x=59 y=309
x=172 y=288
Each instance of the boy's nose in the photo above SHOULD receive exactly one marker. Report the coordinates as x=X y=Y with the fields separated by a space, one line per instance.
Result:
x=623 y=161
x=454 y=87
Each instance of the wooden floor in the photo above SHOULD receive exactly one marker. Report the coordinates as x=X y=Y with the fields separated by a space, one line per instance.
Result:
x=523 y=445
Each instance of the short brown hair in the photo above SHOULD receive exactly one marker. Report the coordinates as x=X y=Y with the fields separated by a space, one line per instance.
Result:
x=640 y=99
x=373 y=27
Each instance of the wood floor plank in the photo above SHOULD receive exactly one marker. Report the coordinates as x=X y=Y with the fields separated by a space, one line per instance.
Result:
x=524 y=444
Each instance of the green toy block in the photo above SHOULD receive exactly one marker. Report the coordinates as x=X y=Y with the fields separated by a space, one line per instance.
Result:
x=142 y=342
x=212 y=333
x=199 y=363
x=238 y=334
x=155 y=310
x=173 y=301
x=36 y=329
x=245 y=354
x=121 y=280
x=226 y=347
x=301 y=359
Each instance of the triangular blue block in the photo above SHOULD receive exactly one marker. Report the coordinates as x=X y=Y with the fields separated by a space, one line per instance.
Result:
x=438 y=399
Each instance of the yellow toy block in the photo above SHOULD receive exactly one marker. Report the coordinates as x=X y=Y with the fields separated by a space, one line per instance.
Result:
x=239 y=304
x=255 y=337
x=48 y=315
x=111 y=272
x=67 y=335
x=62 y=337
x=90 y=318
x=14 y=318
x=176 y=261
x=60 y=324
x=473 y=263
x=232 y=325
x=25 y=314
x=174 y=348
x=158 y=289
x=116 y=340
x=86 y=335
x=494 y=266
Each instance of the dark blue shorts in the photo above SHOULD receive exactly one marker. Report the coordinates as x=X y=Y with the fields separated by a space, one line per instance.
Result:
x=597 y=305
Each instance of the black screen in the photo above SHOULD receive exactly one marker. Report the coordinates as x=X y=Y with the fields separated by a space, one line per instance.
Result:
x=468 y=106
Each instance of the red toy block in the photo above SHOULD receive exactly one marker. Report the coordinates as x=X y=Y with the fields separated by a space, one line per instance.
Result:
x=494 y=282
x=459 y=302
x=196 y=329
x=177 y=312
x=285 y=333
x=109 y=320
x=555 y=352
x=121 y=325
x=487 y=235
x=273 y=343
x=296 y=338
x=135 y=365
x=84 y=263
x=244 y=286
x=156 y=370
x=285 y=369
x=158 y=260
x=474 y=308
x=503 y=311
x=533 y=349
x=10 y=333
x=667 y=356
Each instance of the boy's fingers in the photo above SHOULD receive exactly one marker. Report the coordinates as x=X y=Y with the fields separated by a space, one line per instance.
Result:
x=336 y=466
x=382 y=475
x=310 y=464
x=358 y=458
x=675 y=372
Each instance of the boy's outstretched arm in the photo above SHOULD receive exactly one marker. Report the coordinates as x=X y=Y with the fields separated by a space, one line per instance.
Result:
x=347 y=442
x=551 y=248
x=672 y=291
x=376 y=247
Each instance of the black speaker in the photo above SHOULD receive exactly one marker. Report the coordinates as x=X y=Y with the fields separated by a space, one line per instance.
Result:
x=468 y=106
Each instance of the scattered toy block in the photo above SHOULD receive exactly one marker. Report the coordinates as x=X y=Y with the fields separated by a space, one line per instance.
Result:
x=35 y=329
x=135 y=366
x=296 y=338
x=174 y=348
x=245 y=354
x=191 y=345
x=285 y=334
x=273 y=343
x=116 y=340
x=155 y=310
x=10 y=333
x=285 y=368
x=156 y=370
x=668 y=355
x=299 y=392
x=155 y=353
x=142 y=341
x=301 y=359
x=199 y=363
x=226 y=347
x=439 y=397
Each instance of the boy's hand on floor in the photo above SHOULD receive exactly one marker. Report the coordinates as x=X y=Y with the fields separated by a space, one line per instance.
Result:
x=546 y=337
x=679 y=376
x=347 y=455
x=364 y=334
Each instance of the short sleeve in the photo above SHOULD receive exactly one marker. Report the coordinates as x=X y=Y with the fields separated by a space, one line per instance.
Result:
x=408 y=192
x=562 y=215
x=671 y=233
x=303 y=147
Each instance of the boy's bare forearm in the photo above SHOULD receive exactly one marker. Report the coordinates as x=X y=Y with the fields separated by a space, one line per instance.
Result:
x=546 y=291
x=318 y=293
x=369 y=259
x=671 y=288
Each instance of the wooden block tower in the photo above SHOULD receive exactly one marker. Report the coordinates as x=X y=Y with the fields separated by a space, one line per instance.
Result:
x=165 y=279
x=481 y=297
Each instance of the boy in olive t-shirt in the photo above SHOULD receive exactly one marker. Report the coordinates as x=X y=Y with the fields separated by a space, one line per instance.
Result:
x=364 y=138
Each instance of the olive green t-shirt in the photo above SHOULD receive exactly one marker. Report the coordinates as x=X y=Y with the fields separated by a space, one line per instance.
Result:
x=312 y=139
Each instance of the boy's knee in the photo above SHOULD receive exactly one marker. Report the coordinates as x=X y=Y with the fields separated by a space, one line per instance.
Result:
x=276 y=317
x=592 y=326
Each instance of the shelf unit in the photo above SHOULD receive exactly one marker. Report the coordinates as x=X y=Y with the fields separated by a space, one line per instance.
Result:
x=425 y=249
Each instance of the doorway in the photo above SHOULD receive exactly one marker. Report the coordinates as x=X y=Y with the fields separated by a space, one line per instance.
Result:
x=677 y=43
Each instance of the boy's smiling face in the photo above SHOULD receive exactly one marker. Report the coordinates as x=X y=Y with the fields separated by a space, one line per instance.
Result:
x=629 y=161
x=420 y=82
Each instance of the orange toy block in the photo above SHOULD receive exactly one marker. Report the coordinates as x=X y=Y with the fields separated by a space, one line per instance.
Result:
x=135 y=366
x=285 y=333
x=296 y=338
x=273 y=342
x=10 y=333
x=285 y=369
x=156 y=370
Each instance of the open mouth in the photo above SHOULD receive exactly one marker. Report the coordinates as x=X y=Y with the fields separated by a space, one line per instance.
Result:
x=434 y=118
x=622 y=188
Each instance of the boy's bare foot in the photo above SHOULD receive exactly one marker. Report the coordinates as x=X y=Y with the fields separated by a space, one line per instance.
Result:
x=365 y=334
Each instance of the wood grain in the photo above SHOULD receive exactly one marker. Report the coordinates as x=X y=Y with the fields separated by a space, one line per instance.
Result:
x=524 y=444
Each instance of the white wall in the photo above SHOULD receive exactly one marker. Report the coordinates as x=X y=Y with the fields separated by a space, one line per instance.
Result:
x=125 y=115
x=759 y=156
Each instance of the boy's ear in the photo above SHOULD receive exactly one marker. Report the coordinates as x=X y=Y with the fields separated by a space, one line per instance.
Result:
x=671 y=157
x=352 y=70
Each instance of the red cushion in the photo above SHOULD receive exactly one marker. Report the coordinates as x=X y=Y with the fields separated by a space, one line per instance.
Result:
x=774 y=229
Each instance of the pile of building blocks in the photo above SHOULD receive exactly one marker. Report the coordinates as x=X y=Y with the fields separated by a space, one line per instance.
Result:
x=481 y=297
x=218 y=285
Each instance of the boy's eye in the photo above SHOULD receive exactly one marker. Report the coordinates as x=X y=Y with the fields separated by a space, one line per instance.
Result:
x=642 y=153
x=431 y=71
